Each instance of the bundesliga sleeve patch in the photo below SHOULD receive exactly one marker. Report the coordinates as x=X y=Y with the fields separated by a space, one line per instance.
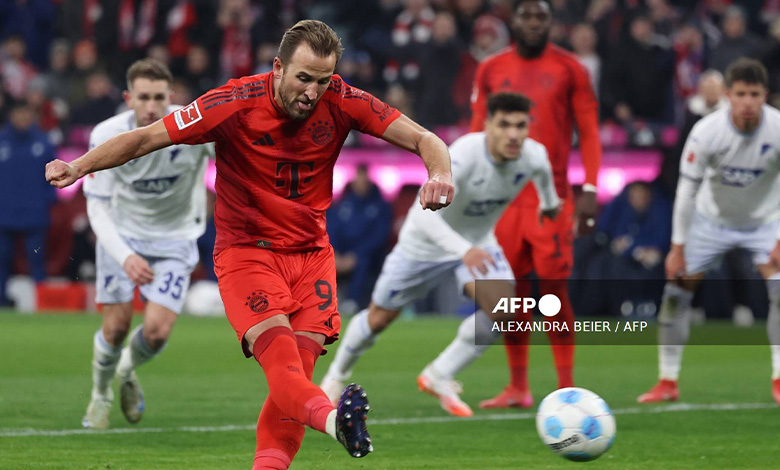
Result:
x=187 y=116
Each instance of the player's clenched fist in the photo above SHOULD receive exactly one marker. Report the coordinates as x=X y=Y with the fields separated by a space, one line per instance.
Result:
x=477 y=261
x=61 y=174
x=437 y=192
x=138 y=270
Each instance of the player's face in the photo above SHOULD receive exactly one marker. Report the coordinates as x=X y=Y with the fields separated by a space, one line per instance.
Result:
x=149 y=99
x=505 y=133
x=531 y=25
x=303 y=81
x=746 y=102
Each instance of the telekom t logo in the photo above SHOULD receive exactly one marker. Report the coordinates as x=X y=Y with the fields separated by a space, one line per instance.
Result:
x=290 y=175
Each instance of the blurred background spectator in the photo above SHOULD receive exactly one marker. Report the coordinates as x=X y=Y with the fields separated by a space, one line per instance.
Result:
x=638 y=77
x=583 y=42
x=439 y=61
x=359 y=227
x=736 y=41
x=25 y=197
x=632 y=240
x=710 y=97
x=100 y=104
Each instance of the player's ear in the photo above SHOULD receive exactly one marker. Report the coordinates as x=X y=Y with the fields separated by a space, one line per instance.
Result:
x=278 y=67
x=126 y=97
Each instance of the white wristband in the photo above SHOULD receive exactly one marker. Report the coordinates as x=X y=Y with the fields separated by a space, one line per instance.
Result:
x=589 y=188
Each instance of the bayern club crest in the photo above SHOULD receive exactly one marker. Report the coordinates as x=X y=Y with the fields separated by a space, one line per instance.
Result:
x=256 y=302
x=321 y=132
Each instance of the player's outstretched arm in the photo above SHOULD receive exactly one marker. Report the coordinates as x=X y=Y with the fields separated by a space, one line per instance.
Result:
x=112 y=153
x=438 y=191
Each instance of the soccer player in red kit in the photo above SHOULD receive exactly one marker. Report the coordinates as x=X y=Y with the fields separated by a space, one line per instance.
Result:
x=562 y=94
x=277 y=139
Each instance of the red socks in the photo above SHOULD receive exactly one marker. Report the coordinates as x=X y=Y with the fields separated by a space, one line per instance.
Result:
x=516 y=347
x=562 y=343
x=278 y=436
x=516 y=343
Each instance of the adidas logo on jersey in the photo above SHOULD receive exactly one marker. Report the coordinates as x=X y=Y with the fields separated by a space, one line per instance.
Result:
x=266 y=140
x=740 y=177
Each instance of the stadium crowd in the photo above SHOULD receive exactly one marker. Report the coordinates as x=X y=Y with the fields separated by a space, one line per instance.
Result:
x=654 y=66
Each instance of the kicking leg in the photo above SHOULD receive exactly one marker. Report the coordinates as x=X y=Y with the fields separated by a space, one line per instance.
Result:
x=275 y=348
x=279 y=437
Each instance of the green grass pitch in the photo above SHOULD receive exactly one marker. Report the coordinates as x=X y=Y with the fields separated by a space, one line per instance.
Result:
x=203 y=398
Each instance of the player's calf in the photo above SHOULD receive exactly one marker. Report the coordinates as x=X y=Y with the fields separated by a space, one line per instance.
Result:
x=351 y=417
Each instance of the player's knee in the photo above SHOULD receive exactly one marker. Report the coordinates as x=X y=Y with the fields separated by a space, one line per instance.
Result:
x=380 y=318
x=156 y=335
x=115 y=332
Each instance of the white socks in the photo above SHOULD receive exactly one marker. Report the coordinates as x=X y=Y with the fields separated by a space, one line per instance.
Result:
x=330 y=424
x=356 y=341
x=463 y=350
x=135 y=353
x=104 y=363
x=773 y=322
x=673 y=330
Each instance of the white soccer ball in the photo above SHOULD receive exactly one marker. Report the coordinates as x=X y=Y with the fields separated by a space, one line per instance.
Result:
x=576 y=424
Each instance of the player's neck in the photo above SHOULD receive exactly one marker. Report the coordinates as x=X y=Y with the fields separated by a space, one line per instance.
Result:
x=529 y=52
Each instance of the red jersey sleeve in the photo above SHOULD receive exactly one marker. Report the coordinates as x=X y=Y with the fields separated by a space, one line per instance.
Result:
x=586 y=114
x=204 y=119
x=364 y=111
x=479 y=96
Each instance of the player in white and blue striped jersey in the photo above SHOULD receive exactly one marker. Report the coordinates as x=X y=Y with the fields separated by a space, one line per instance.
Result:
x=489 y=169
x=728 y=196
x=147 y=216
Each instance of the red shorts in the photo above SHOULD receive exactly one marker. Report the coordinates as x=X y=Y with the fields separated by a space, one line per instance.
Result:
x=529 y=246
x=256 y=284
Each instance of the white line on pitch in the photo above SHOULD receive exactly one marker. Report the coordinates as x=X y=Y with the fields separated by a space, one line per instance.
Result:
x=674 y=408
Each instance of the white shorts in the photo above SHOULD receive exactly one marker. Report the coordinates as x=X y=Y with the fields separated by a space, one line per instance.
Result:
x=405 y=280
x=171 y=273
x=708 y=241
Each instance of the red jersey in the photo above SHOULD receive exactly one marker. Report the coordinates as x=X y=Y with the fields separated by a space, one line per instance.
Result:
x=561 y=92
x=275 y=173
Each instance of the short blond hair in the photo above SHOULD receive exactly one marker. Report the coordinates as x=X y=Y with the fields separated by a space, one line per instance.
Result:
x=320 y=38
x=151 y=69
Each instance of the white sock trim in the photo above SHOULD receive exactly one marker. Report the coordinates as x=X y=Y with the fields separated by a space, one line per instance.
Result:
x=330 y=424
